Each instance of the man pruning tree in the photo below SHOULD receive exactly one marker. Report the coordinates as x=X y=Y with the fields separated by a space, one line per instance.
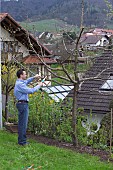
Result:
x=21 y=91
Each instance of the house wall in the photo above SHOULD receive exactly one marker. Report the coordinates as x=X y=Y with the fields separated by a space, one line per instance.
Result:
x=101 y=42
x=92 y=118
x=5 y=36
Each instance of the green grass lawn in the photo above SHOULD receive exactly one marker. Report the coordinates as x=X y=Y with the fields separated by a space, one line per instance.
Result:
x=110 y=26
x=50 y=25
x=14 y=157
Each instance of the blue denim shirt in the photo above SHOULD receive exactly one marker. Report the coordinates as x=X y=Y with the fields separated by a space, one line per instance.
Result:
x=21 y=90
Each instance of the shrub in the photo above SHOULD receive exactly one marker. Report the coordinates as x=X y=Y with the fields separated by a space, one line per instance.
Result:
x=48 y=118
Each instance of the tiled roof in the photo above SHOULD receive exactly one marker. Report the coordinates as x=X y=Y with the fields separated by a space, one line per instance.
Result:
x=35 y=60
x=108 y=31
x=59 y=50
x=90 y=97
x=92 y=39
x=101 y=30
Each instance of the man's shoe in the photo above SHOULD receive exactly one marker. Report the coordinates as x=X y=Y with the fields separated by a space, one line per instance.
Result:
x=24 y=144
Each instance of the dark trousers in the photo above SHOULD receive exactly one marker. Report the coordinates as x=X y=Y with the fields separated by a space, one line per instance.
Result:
x=23 y=112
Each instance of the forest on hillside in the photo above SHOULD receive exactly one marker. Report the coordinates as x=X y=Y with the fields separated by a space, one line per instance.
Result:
x=95 y=11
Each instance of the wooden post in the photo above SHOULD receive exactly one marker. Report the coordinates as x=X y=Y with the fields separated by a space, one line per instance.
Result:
x=111 y=131
x=0 y=92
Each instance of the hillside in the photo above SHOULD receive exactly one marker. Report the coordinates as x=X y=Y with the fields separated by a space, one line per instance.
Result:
x=66 y=10
x=49 y=25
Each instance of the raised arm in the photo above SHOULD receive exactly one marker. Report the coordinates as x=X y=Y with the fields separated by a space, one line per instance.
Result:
x=32 y=78
x=29 y=80
x=27 y=90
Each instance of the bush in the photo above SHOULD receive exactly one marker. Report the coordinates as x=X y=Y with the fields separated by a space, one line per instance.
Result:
x=48 y=118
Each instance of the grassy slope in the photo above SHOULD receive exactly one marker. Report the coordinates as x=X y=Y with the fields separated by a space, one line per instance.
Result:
x=110 y=26
x=14 y=157
x=51 y=25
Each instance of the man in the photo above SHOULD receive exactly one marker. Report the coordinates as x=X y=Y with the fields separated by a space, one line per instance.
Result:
x=21 y=91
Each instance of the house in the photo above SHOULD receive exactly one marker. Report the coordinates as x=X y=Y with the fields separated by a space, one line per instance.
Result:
x=96 y=38
x=63 y=53
x=93 y=41
x=99 y=31
x=95 y=95
x=49 y=35
x=17 y=43
x=45 y=35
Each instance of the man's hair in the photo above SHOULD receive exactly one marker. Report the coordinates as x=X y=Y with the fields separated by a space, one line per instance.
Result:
x=19 y=72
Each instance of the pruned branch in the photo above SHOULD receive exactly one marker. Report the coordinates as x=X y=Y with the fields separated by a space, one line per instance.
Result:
x=66 y=72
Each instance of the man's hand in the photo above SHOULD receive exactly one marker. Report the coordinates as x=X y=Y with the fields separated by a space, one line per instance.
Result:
x=37 y=76
x=41 y=83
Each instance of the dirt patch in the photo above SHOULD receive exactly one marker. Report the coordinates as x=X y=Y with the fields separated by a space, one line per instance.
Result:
x=104 y=155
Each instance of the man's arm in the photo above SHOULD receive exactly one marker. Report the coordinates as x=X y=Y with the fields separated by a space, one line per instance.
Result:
x=27 y=90
x=30 y=79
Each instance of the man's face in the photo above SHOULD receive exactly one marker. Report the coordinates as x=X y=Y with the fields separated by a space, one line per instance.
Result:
x=24 y=75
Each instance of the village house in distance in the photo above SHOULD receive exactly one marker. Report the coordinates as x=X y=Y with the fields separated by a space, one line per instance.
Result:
x=96 y=38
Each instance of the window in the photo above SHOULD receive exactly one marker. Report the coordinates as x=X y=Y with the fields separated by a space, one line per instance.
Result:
x=105 y=42
x=108 y=84
x=9 y=46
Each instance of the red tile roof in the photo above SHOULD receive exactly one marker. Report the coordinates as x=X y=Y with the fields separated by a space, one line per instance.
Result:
x=35 y=60
x=98 y=30
x=108 y=31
